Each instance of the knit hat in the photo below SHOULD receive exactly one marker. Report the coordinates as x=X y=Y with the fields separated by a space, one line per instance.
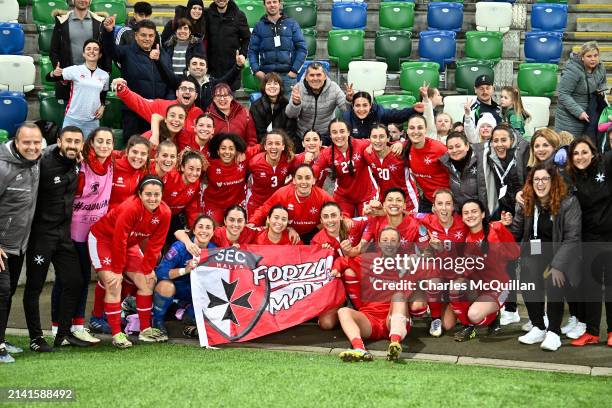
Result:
x=192 y=3
x=486 y=118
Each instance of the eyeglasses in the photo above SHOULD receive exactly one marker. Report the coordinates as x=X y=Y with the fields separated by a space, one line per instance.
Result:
x=223 y=96
x=186 y=89
x=542 y=180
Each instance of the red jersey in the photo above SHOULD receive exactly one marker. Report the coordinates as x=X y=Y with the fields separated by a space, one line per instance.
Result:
x=354 y=236
x=359 y=187
x=226 y=184
x=299 y=159
x=247 y=236
x=429 y=173
x=378 y=309
x=456 y=233
x=411 y=232
x=502 y=249
x=391 y=171
x=181 y=140
x=304 y=212
x=129 y=224
x=262 y=239
x=180 y=196
x=125 y=179
x=266 y=179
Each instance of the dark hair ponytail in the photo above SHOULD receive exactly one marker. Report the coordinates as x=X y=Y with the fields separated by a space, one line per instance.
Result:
x=485 y=222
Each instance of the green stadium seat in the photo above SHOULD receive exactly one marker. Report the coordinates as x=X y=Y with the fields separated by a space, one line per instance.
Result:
x=305 y=13
x=310 y=36
x=250 y=82
x=112 y=8
x=414 y=73
x=4 y=136
x=42 y=9
x=484 y=45
x=23 y=3
x=398 y=15
x=45 y=32
x=345 y=45
x=118 y=139
x=466 y=72
x=50 y=108
x=253 y=10
x=45 y=66
x=112 y=111
x=393 y=47
x=115 y=72
x=537 y=79
x=395 y=101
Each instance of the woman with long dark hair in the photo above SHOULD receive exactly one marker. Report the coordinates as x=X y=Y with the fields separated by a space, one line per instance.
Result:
x=268 y=112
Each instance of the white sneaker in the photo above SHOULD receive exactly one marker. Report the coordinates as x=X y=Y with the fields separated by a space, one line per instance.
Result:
x=577 y=331
x=551 y=342
x=534 y=336
x=507 y=318
x=572 y=321
x=152 y=335
x=84 y=335
x=528 y=326
x=436 y=328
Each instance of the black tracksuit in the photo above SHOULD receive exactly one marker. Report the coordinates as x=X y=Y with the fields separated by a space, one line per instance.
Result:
x=50 y=242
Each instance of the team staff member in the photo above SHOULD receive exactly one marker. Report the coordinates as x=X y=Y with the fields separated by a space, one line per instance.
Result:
x=19 y=175
x=50 y=242
x=114 y=250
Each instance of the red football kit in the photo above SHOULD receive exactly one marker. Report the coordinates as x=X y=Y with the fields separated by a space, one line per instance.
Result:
x=262 y=239
x=180 y=196
x=354 y=236
x=247 y=236
x=125 y=179
x=411 y=232
x=266 y=180
x=299 y=159
x=430 y=174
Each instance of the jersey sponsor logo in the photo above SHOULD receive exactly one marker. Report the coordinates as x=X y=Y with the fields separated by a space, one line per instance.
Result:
x=94 y=187
x=57 y=180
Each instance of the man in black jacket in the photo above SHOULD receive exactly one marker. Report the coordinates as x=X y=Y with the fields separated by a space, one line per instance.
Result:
x=227 y=30
x=142 y=11
x=50 y=241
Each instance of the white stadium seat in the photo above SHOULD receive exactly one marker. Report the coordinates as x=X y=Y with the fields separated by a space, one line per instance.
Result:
x=368 y=76
x=539 y=109
x=9 y=11
x=453 y=105
x=17 y=73
x=493 y=16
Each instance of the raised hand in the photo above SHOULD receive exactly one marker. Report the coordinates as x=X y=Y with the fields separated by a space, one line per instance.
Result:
x=57 y=72
x=296 y=97
x=109 y=23
x=154 y=53
x=348 y=90
x=467 y=108
x=240 y=59
x=118 y=84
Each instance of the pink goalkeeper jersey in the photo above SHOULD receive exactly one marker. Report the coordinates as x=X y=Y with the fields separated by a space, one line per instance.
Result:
x=93 y=202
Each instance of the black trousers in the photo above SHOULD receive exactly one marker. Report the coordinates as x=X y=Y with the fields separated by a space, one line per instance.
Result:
x=597 y=278
x=43 y=249
x=510 y=305
x=58 y=288
x=133 y=124
x=9 y=278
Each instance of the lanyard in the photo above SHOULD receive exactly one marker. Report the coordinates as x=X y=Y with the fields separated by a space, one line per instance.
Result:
x=536 y=217
x=502 y=177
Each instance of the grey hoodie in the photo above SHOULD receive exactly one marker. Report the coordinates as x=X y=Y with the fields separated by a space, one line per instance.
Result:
x=18 y=190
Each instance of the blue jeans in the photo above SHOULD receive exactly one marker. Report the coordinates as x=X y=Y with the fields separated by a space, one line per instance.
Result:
x=287 y=84
x=86 y=126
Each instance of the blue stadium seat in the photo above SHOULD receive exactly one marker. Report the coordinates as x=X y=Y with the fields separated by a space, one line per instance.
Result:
x=548 y=17
x=14 y=110
x=12 y=39
x=307 y=63
x=438 y=46
x=445 y=16
x=349 y=15
x=254 y=96
x=542 y=46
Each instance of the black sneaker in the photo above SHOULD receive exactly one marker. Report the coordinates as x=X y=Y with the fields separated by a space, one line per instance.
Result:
x=465 y=334
x=495 y=327
x=70 y=340
x=40 y=345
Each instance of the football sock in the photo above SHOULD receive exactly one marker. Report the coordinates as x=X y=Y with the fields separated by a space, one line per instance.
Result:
x=144 y=304
x=98 y=307
x=357 y=343
x=113 y=316
x=160 y=306
x=395 y=338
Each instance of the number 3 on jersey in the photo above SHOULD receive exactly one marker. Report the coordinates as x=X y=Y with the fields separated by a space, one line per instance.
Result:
x=274 y=180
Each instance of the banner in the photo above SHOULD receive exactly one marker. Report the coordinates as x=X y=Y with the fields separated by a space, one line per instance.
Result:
x=242 y=294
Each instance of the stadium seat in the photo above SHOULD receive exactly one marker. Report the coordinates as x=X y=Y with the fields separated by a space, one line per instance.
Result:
x=307 y=63
x=415 y=73
x=51 y=108
x=12 y=39
x=310 y=36
x=24 y=3
x=254 y=11
x=437 y=46
x=484 y=45
x=304 y=13
x=345 y=16
x=541 y=46
x=493 y=16
x=344 y=46
x=250 y=83
x=45 y=66
x=111 y=8
x=14 y=110
x=369 y=76
x=445 y=16
x=447 y=1
x=453 y=105
x=9 y=10
x=4 y=136
x=17 y=73
x=467 y=70
x=539 y=109
x=42 y=9
x=45 y=32
x=395 y=101
x=119 y=143
x=537 y=79
x=115 y=71
x=548 y=17
x=112 y=111
x=254 y=97
x=552 y=1
x=396 y=15
x=393 y=47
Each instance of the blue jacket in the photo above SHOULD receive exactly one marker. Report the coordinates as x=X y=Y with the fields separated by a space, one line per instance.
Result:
x=176 y=257
x=265 y=57
x=378 y=114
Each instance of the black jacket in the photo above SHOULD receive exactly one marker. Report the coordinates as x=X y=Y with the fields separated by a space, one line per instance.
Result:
x=148 y=78
x=205 y=90
x=479 y=108
x=60 y=46
x=261 y=111
x=225 y=34
x=378 y=114
x=56 y=188
x=194 y=46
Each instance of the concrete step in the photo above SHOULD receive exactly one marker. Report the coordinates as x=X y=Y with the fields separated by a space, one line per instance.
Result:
x=602 y=22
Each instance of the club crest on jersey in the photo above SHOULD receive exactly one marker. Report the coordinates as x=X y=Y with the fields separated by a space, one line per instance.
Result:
x=57 y=180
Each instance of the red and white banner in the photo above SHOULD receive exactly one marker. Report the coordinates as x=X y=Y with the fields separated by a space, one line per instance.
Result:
x=242 y=294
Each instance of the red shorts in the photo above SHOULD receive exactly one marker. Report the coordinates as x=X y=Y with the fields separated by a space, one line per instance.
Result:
x=350 y=207
x=493 y=295
x=377 y=313
x=216 y=213
x=100 y=253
